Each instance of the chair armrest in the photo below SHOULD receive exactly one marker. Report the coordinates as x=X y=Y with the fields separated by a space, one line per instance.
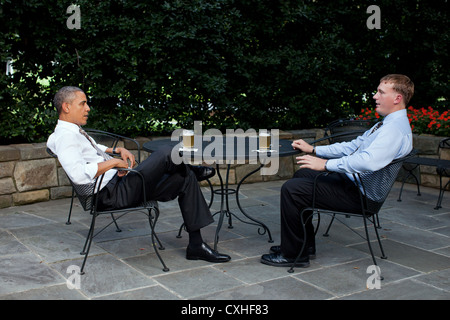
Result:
x=337 y=135
x=141 y=176
x=117 y=137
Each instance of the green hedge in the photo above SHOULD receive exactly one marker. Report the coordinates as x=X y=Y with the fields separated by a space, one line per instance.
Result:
x=150 y=66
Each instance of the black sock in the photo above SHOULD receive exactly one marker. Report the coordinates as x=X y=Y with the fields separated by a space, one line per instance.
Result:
x=195 y=238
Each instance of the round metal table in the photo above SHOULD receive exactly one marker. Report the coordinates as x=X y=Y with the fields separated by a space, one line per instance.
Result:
x=225 y=150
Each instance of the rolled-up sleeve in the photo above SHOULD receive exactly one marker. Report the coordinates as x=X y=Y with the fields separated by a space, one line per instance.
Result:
x=71 y=158
x=370 y=156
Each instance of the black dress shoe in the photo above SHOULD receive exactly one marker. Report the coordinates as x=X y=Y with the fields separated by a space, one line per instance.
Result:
x=311 y=251
x=204 y=252
x=203 y=173
x=278 y=260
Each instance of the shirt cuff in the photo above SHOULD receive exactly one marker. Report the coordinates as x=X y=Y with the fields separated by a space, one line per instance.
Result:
x=331 y=165
x=317 y=150
x=91 y=169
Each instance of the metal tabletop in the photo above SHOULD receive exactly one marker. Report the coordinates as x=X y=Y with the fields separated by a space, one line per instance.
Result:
x=236 y=148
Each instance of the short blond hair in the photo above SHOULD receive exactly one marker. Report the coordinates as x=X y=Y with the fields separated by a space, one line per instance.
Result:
x=402 y=85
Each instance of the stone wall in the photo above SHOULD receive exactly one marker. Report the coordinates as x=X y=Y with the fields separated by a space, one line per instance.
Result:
x=28 y=174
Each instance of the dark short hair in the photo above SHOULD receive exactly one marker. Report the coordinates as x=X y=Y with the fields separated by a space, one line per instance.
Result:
x=65 y=94
x=402 y=85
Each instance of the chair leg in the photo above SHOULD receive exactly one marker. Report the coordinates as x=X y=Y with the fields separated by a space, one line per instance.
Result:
x=212 y=193
x=180 y=230
x=153 y=224
x=368 y=241
x=370 y=246
x=291 y=269
x=418 y=185
x=329 y=226
x=71 y=206
x=441 y=193
x=115 y=222
x=383 y=255
x=87 y=244
x=401 y=188
x=152 y=228
x=377 y=219
x=318 y=224
x=403 y=183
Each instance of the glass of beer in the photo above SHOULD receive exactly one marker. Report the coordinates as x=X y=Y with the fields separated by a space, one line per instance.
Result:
x=264 y=140
x=188 y=139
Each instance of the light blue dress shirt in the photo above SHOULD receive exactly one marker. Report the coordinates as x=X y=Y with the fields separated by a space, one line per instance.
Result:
x=371 y=151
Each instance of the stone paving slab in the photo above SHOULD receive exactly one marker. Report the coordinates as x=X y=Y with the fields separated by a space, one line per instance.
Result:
x=37 y=250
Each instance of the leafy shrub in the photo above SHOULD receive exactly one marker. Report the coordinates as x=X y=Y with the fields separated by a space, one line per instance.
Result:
x=148 y=66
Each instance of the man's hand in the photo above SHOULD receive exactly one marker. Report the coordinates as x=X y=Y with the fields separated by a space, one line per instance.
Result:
x=310 y=162
x=126 y=156
x=129 y=161
x=122 y=164
x=302 y=145
x=112 y=163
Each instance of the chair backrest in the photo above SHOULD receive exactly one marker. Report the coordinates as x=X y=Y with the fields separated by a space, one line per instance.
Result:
x=112 y=140
x=444 y=147
x=84 y=192
x=444 y=154
x=377 y=185
x=347 y=129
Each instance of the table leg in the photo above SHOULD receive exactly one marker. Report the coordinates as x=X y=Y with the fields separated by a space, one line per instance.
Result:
x=224 y=203
x=225 y=209
x=262 y=225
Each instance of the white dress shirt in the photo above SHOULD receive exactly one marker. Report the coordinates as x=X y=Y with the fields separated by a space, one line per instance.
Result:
x=371 y=151
x=76 y=154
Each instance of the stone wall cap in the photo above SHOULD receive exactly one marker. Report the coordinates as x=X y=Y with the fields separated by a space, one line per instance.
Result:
x=32 y=150
x=8 y=153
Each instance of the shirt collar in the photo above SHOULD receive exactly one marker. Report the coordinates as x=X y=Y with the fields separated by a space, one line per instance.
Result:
x=68 y=125
x=395 y=115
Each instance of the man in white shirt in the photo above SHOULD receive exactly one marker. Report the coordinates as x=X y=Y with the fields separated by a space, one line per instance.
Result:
x=387 y=140
x=84 y=160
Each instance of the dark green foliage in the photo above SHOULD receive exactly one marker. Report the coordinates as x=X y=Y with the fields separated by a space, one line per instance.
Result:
x=148 y=66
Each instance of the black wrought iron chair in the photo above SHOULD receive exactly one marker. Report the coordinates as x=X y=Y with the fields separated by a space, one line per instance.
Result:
x=88 y=199
x=442 y=169
x=110 y=140
x=374 y=188
x=344 y=130
x=347 y=129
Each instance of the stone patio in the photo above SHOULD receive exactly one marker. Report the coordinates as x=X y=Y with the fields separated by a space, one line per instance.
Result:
x=37 y=249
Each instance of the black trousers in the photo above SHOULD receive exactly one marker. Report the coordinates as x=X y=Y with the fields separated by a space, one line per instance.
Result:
x=333 y=192
x=164 y=181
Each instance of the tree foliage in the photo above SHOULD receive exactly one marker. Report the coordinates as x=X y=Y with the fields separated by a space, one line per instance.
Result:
x=148 y=66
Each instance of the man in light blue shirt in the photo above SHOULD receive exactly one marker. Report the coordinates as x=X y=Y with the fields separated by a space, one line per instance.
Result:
x=387 y=140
